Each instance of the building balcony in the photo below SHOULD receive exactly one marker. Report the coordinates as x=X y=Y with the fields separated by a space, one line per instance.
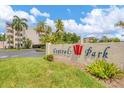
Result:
x=20 y=34
x=8 y=28
x=10 y=42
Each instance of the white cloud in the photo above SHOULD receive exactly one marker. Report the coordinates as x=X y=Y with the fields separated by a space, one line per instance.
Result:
x=69 y=25
x=102 y=21
x=34 y=11
x=7 y=13
x=72 y=26
x=51 y=23
x=26 y=15
x=98 y=22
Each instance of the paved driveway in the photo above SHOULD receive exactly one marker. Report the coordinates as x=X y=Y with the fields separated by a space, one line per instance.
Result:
x=21 y=53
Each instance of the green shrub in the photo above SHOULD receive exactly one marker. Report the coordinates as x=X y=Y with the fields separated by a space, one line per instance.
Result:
x=103 y=69
x=27 y=43
x=49 y=57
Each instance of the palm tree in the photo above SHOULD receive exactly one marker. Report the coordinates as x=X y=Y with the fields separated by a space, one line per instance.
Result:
x=60 y=28
x=41 y=28
x=59 y=25
x=120 y=24
x=49 y=30
x=19 y=24
x=44 y=31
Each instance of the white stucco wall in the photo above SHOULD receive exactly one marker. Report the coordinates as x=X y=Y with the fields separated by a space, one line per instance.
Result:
x=33 y=36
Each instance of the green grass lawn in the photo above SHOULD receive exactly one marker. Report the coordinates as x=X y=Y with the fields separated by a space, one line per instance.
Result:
x=36 y=72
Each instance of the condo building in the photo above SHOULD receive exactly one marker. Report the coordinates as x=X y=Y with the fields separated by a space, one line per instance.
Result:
x=13 y=37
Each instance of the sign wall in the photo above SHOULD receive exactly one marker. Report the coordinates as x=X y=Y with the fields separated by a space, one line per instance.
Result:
x=88 y=52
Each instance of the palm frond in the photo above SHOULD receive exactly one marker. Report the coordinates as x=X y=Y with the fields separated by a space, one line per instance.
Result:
x=24 y=19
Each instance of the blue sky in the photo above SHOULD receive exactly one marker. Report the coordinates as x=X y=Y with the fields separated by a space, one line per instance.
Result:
x=84 y=20
x=57 y=11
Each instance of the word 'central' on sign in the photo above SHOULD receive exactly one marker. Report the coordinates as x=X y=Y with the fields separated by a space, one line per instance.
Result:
x=63 y=51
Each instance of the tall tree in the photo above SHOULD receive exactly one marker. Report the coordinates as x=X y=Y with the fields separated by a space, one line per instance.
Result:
x=41 y=28
x=70 y=38
x=59 y=25
x=120 y=24
x=60 y=28
x=19 y=24
x=49 y=30
x=2 y=38
x=104 y=39
x=44 y=32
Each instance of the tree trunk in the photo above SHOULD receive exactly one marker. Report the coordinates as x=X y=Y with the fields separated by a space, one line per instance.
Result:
x=14 y=38
x=18 y=40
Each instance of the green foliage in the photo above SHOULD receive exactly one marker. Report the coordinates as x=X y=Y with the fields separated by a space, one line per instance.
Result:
x=45 y=32
x=62 y=36
x=94 y=40
x=41 y=27
x=49 y=57
x=60 y=29
x=59 y=36
x=70 y=38
x=67 y=37
x=53 y=38
x=27 y=43
x=120 y=23
x=115 y=39
x=45 y=39
x=103 y=69
x=2 y=37
x=19 y=24
x=106 y=39
x=59 y=25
